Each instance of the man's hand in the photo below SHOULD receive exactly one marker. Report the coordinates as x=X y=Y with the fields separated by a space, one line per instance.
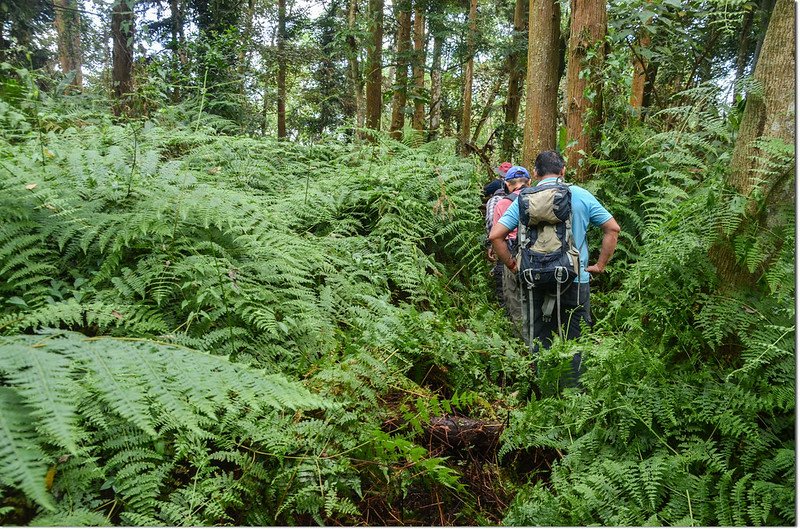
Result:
x=512 y=266
x=595 y=269
x=490 y=254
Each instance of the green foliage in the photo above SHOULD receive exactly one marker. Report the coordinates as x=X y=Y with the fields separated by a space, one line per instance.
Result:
x=687 y=411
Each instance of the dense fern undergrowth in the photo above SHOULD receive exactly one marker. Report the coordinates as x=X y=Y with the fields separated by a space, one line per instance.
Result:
x=204 y=329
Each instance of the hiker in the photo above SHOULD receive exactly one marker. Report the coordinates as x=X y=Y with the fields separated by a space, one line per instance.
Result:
x=552 y=222
x=516 y=179
x=494 y=191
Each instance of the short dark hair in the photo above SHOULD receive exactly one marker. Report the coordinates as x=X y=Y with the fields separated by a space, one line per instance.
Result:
x=548 y=162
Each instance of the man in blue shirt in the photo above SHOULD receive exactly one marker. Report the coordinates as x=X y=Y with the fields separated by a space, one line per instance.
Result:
x=586 y=211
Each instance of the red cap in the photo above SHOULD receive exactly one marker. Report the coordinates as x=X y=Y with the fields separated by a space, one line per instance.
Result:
x=504 y=167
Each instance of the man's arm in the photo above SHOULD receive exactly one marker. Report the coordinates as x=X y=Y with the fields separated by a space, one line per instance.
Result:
x=498 y=239
x=610 y=234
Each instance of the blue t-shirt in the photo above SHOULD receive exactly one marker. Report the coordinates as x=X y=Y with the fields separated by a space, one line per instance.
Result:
x=586 y=211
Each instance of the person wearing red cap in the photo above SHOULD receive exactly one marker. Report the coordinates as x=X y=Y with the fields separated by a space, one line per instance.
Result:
x=494 y=191
x=516 y=179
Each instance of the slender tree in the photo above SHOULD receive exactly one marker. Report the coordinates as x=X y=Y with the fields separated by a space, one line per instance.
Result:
x=515 y=66
x=544 y=19
x=436 y=31
x=122 y=32
x=583 y=102
x=68 y=30
x=281 y=68
x=353 y=66
x=401 y=69
x=374 y=67
x=466 y=113
x=642 y=69
x=418 y=66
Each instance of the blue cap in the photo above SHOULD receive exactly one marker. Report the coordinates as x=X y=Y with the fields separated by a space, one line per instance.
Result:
x=517 y=171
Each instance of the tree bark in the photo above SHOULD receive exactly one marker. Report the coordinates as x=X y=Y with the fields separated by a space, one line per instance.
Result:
x=352 y=58
x=281 y=68
x=466 y=114
x=68 y=30
x=374 y=69
x=516 y=74
x=769 y=115
x=770 y=112
x=436 y=87
x=122 y=32
x=419 y=67
x=401 y=72
x=587 y=36
x=640 y=70
x=544 y=19
x=744 y=46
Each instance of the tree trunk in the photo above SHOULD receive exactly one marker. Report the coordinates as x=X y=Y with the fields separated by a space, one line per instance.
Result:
x=516 y=74
x=766 y=8
x=466 y=113
x=352 y=58
x=436 y=87
x=587 y=34
x=419 y=67
x=544 y=32
x=281 y=68
x=401 y=71
x=122 y=32
x=374 y=69
x=640 y=70
x=769 y=114
x=178 y=48
x=247 y=44
x=68 y=29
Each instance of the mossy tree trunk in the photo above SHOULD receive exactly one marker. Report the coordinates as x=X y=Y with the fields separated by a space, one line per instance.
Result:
x=769 y=115
x=418 y=65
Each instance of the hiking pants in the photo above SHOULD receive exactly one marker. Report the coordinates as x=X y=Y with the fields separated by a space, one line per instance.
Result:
x=497 y=276
x=572 y=313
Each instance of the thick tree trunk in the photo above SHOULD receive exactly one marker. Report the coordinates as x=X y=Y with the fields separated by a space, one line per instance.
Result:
x=374 y=68
x=401 y=72
x=436 y=87
x=122 y=32
x=587 y=33
x=281 y=68
x=544 y=19
x=516 y=74
x=769 y=114
x=352 y=58
x=68 y=29
x=466 y=113
x=419 y=67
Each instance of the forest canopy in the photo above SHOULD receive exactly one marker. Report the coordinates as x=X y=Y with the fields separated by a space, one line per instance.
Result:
x=243 y=272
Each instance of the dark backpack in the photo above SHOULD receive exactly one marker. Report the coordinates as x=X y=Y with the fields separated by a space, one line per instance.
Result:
x=548 y=257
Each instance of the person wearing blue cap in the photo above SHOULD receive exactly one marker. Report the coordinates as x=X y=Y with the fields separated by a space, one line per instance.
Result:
x=516 y=179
